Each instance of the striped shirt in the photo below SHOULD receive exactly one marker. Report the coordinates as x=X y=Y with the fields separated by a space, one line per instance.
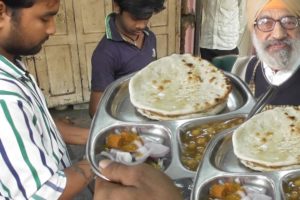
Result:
x=33 y=153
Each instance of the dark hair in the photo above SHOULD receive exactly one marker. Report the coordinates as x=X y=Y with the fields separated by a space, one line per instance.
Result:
x=141 y=9
x=16 y=4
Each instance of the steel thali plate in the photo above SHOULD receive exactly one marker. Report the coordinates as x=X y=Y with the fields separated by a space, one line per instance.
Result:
x=115 y=111
x=120 y=107
x=220 y=163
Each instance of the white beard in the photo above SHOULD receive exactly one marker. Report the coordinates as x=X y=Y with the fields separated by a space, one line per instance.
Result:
x=285 y=59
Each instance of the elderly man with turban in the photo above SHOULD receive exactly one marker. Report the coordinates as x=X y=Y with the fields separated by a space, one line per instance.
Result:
x=275 y=31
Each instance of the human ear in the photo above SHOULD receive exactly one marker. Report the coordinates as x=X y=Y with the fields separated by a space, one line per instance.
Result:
x=3 y=11
x=116 y=7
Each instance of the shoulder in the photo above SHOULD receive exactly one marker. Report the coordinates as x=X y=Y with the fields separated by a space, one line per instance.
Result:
x=104 y=44
x=150 y=34
x=13 y=91
x=9 y=82
x=106 y=48
x=150 y=39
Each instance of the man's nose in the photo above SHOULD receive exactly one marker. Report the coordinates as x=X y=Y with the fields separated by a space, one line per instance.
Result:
x=279 y=32
x=51 y=28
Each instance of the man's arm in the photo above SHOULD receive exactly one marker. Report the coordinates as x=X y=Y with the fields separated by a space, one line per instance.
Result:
x=94 y=100
x=72 y=134
x=79 y=175
x=103 y=62
x=38 y=155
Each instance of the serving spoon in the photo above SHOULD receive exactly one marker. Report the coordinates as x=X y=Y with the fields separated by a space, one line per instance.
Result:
x=262 y=101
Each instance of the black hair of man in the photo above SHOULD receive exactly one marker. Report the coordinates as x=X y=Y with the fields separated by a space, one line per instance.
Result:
x=16 y=4
x=141 y=9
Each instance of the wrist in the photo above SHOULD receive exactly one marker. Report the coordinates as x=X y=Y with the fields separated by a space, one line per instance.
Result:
x=84 y=169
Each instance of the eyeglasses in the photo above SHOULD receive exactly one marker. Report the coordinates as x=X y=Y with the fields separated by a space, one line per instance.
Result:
x=267 y=24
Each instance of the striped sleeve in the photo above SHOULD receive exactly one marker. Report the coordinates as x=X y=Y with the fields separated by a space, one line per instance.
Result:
x=53 y=188
x=30 y=158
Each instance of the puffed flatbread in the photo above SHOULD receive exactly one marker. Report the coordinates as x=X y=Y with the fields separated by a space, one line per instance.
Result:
x=179 y=86
x=158 y=116
x=259 y=167
x=270 y=139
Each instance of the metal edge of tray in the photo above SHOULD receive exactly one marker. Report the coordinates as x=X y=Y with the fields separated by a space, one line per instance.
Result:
x=206 y=171
x=108 y=121
x=92 y=143
x=103 y=109
x=197 y=122
x=243 y=110
x=103 y=120
x=250 y=99
x=175 y=170
x=96 y=127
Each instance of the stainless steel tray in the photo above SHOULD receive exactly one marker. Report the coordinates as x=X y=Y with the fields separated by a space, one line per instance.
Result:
x=220 y=163
x=117 y=105
x=115 y=111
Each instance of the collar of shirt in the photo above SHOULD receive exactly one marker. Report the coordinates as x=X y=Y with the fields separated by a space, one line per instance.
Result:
x=19 y=72
x=279 y=77
x=111 y=29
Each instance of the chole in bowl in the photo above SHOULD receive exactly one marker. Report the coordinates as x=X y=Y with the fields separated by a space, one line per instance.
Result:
x=179 y=87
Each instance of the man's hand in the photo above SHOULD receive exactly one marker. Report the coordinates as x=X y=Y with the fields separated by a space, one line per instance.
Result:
x=72 y=134
x=134 y=183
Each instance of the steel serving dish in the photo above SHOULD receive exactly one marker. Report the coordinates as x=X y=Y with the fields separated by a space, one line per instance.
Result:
x=115 y=111
x=220 y=163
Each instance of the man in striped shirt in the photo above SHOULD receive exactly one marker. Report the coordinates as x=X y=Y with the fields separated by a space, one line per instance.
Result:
x=34 y=160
